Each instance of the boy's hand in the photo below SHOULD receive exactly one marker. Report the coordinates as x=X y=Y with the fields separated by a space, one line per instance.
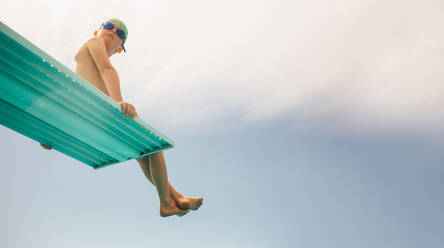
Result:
x=48 y=147
x=128 y=110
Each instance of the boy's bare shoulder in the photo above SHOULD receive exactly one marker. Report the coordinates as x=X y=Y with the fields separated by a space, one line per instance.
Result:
x=85 y=47
x=92 y=43
x=95 y=41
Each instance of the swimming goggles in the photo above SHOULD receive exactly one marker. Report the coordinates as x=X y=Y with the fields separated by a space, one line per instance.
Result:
x=120 y=33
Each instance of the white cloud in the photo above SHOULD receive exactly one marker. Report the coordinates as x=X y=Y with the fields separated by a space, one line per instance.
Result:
x=207 y=65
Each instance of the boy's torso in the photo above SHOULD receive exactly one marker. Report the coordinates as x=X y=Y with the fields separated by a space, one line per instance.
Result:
x=87 y=69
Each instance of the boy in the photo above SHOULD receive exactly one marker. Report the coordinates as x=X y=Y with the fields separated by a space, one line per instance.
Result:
x=93 y=64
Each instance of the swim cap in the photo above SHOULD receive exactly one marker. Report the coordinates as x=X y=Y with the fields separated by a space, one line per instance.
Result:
x=122 y=25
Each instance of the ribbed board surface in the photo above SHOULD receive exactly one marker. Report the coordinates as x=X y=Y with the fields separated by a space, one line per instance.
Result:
x=47 y=102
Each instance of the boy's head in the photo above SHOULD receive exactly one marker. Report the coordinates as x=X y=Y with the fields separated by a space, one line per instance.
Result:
x=115 y=33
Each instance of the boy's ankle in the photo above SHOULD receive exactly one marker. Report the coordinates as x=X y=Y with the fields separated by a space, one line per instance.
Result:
x=167 y=202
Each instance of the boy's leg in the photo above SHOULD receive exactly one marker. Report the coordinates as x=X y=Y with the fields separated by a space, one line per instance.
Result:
x=144 y=163
x=160 y=177
x=182 y=202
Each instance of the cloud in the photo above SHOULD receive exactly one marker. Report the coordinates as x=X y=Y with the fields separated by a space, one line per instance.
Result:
x=207 y=65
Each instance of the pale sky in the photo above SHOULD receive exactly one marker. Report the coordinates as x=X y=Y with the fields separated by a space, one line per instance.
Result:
x=336 y=105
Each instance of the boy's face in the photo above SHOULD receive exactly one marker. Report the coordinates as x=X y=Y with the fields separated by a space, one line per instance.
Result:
x=112 y=41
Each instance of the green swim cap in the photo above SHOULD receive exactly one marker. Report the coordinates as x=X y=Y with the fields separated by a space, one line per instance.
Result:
x=122 y=25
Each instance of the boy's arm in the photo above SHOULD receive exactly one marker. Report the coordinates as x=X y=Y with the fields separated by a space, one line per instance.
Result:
x=109 y=75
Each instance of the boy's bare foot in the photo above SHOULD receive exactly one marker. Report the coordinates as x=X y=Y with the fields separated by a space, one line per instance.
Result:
x=171 y=209
x=192 y=203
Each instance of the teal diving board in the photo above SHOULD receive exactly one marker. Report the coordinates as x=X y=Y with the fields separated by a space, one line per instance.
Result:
x=44 y=100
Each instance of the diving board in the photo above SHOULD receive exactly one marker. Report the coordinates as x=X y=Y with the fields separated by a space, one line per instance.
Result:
x=44 y=100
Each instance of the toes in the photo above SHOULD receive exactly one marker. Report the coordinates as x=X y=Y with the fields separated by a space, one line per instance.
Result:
x=184 y=205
